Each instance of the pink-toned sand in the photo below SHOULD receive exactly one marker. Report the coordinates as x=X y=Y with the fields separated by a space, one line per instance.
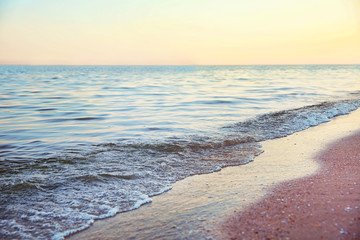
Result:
x=322 y=206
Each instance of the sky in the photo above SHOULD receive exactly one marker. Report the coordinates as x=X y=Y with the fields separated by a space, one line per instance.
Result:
x=179 y=32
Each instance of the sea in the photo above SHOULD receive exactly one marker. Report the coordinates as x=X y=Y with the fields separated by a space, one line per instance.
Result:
x=82 y=143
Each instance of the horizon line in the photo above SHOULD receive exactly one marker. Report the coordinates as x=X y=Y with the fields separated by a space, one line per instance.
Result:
x=276 y=64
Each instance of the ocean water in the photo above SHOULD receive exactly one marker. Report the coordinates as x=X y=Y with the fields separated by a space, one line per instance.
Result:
x=80 y=143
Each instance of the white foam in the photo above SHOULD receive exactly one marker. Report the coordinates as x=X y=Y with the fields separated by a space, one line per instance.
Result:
x=162 y=190
x=62 y=235
x=138 y=203
x=111 y=212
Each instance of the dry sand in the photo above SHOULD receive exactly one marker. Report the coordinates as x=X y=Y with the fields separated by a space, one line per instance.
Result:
x=199 y=207
x=322 y=206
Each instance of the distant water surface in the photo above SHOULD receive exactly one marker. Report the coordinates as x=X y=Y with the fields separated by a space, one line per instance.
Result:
x=79 y=143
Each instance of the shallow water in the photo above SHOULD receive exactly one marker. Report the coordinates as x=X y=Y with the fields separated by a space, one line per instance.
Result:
x=79 y=143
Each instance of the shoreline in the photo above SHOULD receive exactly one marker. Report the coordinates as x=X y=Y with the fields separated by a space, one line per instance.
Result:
x=321 y=206
x=198 y=205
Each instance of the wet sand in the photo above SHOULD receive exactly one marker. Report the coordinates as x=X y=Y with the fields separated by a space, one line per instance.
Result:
x=199 y=207
x=323 y=206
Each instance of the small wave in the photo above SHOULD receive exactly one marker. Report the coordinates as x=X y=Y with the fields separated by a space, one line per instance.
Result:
x=157 y=129
x=6 y=146
x=62 y=235
x=356 y=93
x=56 y=97
x=121 y=176
x=11 y=106
x=194 y=145
x=218 y=102
x=87 y=118
x=73 y=119
x=22 y=186
x=211 y=102
x=89 y=178
x=46 y=109
x=110 y=213
x=283 y=123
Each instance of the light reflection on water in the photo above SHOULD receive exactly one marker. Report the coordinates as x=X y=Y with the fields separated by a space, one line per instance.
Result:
x=107 y=103
x=84 y=142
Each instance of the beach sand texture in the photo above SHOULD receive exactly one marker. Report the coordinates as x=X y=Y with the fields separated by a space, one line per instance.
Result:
x=203 y=206
x=323 y=206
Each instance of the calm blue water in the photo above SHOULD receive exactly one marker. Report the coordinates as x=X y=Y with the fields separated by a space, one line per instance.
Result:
x=80 y=143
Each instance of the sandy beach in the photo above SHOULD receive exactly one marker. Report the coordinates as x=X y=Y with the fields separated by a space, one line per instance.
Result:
x=322 y=206
x=296 y=182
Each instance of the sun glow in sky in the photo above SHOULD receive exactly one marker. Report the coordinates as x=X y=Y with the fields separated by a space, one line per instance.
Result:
x=167 y=32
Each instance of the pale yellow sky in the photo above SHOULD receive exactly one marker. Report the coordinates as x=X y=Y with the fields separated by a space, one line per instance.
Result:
x=122 y=32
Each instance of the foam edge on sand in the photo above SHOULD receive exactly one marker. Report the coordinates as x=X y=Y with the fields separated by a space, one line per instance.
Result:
x=199 y=206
